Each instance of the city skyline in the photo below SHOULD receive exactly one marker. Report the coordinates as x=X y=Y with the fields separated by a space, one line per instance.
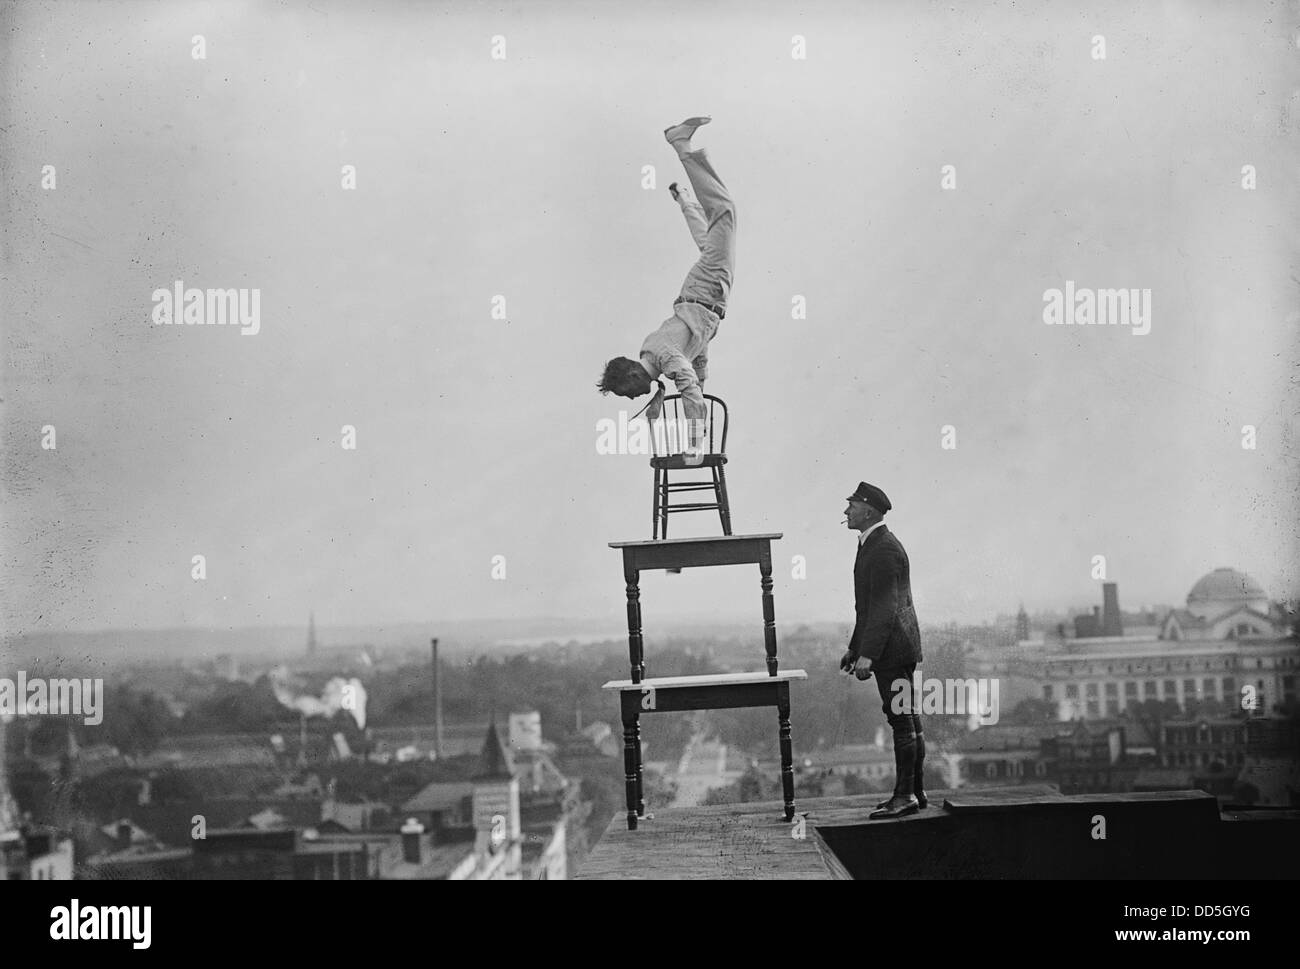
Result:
x=714 y=618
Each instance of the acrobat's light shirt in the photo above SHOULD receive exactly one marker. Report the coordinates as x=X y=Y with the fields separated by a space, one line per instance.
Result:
x=679 y=349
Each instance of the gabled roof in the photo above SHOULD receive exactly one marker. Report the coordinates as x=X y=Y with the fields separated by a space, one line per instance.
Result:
x=439 y=796
x=103 y=840
x=1180 y=621
x=1264 y=618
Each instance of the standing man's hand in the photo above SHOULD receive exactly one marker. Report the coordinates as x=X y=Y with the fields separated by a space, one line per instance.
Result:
x=846 y=662
x=862 y=668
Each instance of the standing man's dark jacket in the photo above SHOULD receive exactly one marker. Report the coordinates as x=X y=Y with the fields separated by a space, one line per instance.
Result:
x=886 y=632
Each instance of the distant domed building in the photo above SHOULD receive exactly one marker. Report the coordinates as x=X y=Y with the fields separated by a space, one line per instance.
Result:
x=1225 y=590
x=1225 y=604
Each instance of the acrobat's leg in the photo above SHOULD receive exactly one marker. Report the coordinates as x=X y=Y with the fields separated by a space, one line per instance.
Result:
x=696 y=221
x=712 y=194
x=711 y=277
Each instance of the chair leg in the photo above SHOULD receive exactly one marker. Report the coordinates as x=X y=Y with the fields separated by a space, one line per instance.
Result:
x=724 y=504
x=717 y=498
x=655 y=534
x=663 y=503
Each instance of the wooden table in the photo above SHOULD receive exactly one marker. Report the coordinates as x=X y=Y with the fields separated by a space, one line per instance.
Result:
x=718 y=691
x=690 y=553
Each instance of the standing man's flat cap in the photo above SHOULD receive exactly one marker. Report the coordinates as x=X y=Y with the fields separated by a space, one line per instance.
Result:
x=873 y=496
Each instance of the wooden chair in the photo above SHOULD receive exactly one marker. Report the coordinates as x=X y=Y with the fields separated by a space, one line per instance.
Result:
x=668 y=442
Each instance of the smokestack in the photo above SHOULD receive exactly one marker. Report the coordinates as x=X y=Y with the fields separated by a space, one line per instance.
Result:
x=1111 y=623
x=7 y=820
x=412 y=853
x=124 y=834
x=437 y=704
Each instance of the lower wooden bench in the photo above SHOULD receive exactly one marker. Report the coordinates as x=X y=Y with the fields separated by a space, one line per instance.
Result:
x=715 y=691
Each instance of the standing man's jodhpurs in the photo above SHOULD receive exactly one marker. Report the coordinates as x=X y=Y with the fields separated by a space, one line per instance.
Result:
x=901 y=706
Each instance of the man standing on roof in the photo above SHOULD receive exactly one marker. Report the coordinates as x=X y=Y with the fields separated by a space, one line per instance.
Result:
x=678 y=349
x=886 y=641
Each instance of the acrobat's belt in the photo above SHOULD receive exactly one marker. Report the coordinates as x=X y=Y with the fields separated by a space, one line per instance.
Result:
x=720 y=310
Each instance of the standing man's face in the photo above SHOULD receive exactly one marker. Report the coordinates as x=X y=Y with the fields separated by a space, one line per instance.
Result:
x=859 y=514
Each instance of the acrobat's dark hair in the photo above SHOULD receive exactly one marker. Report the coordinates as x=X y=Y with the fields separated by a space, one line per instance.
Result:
x=617 y=371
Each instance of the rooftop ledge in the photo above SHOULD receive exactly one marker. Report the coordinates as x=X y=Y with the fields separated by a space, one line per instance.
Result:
x=1025 y=832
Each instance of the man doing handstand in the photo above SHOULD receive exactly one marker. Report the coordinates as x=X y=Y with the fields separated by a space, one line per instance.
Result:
x=679 y=348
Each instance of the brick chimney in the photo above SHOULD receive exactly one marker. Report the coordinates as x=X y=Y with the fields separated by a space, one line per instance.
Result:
x=412 y=851
x=1111 y=623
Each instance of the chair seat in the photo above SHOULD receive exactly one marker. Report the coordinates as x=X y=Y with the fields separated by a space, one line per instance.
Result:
x=677 y=462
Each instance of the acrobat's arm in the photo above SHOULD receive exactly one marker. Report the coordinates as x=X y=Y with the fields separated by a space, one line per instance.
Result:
x=688 y=385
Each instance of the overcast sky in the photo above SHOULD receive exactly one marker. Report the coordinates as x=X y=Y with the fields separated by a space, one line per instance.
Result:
x=522 y=177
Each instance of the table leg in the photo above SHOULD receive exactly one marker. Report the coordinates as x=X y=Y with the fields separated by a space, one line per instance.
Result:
x=640 y=788
x=635 y=647
x=631 y=757
x=787 y=754
x=769 y=609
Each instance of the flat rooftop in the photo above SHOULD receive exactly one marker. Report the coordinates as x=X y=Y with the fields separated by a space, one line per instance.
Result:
x=1029 y=831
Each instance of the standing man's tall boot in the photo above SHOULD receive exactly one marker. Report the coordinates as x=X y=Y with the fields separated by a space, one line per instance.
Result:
x=918 y=779
x=903 y=802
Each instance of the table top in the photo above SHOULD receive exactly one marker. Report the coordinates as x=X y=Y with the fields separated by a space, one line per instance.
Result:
x=721 y=539
x=707 y=679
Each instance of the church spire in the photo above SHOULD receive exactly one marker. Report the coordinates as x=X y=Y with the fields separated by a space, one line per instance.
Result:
x=495 y=760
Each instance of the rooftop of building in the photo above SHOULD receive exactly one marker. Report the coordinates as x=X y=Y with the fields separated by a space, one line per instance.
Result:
x=439 y=862
x=850 y=754
x=1099 y=649
x=1162 y=779
x=1010 y=736
x=1030 y=831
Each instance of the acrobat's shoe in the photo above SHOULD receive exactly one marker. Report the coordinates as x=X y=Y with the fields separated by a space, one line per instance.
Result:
x=683 y=131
